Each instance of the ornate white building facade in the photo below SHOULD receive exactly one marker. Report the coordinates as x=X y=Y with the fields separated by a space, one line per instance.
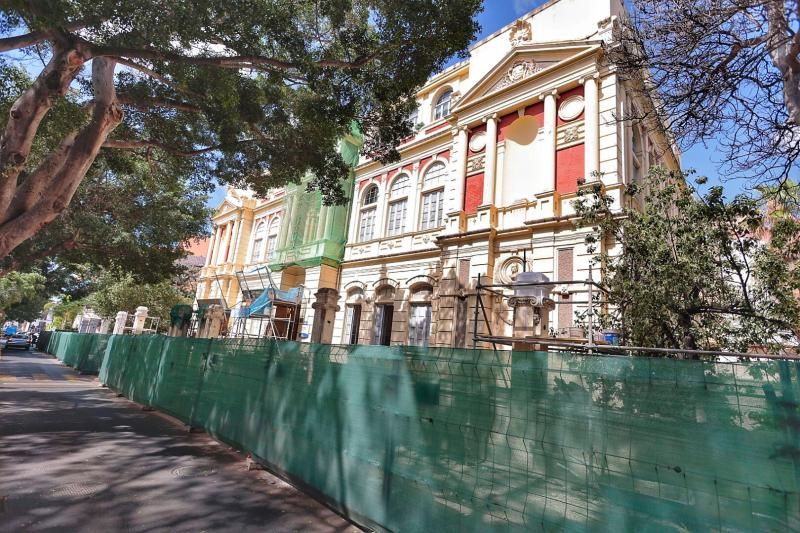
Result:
x=505 y=140
x=485 y=188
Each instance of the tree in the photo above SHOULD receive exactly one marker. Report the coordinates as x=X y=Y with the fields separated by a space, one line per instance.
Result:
x=16 y=287
x=691 y=270
x=124 y=293
x=259 y=90
x=725 y=72
x=126 y=212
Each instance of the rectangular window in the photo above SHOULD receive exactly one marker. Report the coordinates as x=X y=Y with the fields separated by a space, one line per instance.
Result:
x=352 y=323
x=419 y=325
x=366 y=228
x=272 y=242
x=396 y=224
x=382 y=325
x=258 y=247
x=432 y=210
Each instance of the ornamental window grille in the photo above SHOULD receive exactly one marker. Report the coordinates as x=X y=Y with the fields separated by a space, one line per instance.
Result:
x=442 y=108
x=400 y=187
x=435 y=175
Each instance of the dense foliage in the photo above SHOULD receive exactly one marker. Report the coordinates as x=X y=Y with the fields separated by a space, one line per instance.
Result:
x=256 y=93
x=16 y=287
x=694 y=270
x=124 y=293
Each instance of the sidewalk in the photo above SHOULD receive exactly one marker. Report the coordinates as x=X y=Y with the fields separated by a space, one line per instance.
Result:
x=74 y=457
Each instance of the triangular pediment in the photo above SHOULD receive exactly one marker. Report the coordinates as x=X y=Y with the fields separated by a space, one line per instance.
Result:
x=523 y=64
x=225 y=207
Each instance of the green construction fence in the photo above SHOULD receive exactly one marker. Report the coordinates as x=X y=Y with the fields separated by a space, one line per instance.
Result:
x=83 y=352
x=412 y=439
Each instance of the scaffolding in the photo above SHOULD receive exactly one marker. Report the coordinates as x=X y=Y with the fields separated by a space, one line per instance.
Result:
x=507 y=292
x=591 y=342
x=266 y=311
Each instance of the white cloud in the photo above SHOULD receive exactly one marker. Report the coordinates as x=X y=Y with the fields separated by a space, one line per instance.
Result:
x=523 y=6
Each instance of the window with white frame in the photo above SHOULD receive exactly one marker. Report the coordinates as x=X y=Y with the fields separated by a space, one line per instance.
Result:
x=272 y=237
x=419 y=319
x=366 y=224
x=442 y=108
x=432 y=212
x=258 y=242
x=434 y=175
x=398 y=206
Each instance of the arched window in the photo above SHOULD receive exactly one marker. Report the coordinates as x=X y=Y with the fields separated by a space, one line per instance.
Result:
x=371 y=196
x=352 y=315
x=432 y=212
x=419 y=318
x=366 y=224
x=398 y=205
x=383 y=316
x=258 y=242
x=272 y=237
x=442 y=108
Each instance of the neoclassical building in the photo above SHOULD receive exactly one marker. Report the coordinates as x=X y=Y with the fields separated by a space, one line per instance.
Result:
x=291 y=232
x=485 y=188
x=505 y=140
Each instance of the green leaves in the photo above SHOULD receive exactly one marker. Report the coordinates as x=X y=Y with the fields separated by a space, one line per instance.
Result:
x=688 y=270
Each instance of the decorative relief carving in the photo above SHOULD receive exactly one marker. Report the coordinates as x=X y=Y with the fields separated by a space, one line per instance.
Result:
x=571 y=134
x=571 y=108
x=520 y=70
x=510 y=269
x=478 y=142
x=476 y=163
x=521 y=33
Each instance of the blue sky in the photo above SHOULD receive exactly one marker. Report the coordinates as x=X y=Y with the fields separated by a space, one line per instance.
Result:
x=498 y=13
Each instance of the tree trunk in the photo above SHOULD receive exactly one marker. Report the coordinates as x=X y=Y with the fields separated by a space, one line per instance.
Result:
x=27 y=113
x=67 y=166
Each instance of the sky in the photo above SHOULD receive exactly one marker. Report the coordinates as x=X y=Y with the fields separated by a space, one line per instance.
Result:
x=498 y=13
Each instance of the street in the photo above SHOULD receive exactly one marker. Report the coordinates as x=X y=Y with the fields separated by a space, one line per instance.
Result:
x=74 y=457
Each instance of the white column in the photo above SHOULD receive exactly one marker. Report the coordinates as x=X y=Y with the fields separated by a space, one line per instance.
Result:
x=223 y=251
x=217 y=239
x=237 y=231
x=414 y=200
x=138 y=320
x=212 y=243
x=461 y=150
x=550 y=133
x=592 y=146
x=490 y=171
x=119 y=323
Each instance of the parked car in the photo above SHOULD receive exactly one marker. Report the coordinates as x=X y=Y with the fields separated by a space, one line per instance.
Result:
x=20 y=340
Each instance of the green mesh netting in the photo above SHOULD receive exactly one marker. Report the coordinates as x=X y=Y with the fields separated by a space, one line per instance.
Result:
x=415 y=439
x=82 y=352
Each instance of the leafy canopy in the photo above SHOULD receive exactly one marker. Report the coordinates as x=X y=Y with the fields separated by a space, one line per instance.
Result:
x=694 y=270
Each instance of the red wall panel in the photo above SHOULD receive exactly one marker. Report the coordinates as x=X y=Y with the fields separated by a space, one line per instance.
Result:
x=473 y=196
x=569 y=168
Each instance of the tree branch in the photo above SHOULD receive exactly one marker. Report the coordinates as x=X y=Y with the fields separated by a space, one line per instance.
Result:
x=146 y=104
x=36 y=37
x=132 y=144
x=230 y=62
x=81 y=154
x=156 y=76
x=27 y=113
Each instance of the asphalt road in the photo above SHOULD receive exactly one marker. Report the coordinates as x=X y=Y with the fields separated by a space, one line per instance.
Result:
x=76 y=458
